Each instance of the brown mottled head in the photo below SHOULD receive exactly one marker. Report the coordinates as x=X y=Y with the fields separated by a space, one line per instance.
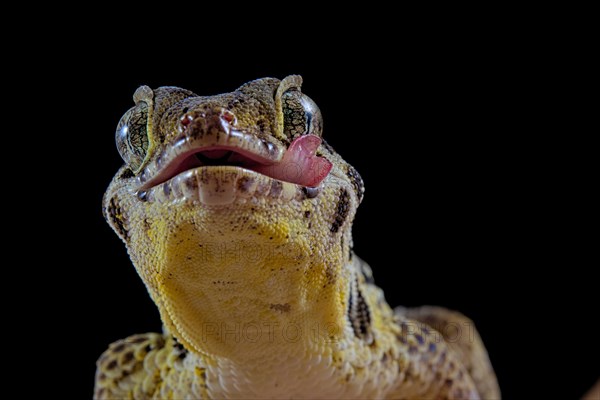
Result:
x=230 y=188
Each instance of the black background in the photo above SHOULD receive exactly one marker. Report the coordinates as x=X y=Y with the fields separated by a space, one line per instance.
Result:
x=442 y=126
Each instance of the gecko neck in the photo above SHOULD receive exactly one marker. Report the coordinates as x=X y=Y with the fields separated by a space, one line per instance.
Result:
x=242 y=305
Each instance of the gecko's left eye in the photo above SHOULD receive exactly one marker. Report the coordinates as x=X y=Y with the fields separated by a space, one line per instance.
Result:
x=301 y=115
x=132 y=136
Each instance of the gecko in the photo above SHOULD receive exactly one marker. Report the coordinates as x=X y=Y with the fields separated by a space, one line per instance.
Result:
x=237 y=216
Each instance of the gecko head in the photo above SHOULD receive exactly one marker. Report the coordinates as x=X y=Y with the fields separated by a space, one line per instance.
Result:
x=233 y=208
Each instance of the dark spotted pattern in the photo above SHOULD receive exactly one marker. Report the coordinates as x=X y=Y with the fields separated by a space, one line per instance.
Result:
x=116 y=217
x=182 y=350
x=357 y=182
x=126 y=357
x=342 y=210
x=126 y=174
x=359 y=314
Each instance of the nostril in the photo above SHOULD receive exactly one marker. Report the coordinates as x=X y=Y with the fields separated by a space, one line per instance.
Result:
x=186 y=120
x=228 y=116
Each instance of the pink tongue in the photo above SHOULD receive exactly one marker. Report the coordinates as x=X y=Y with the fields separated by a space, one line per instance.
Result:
x=300 y=164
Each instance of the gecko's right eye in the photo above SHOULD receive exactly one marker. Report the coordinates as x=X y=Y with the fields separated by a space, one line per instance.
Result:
x=132 y=136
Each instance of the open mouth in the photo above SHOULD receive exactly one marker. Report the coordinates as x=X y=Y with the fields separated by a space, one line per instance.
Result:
x=187 y=164
x=224 y=157
x=220 y=155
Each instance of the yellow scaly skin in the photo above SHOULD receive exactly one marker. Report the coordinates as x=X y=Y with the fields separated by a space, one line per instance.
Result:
x=255 y=280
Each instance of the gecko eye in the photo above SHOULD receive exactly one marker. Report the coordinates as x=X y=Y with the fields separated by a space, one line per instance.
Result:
x=132 y=137
x=301 y=115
